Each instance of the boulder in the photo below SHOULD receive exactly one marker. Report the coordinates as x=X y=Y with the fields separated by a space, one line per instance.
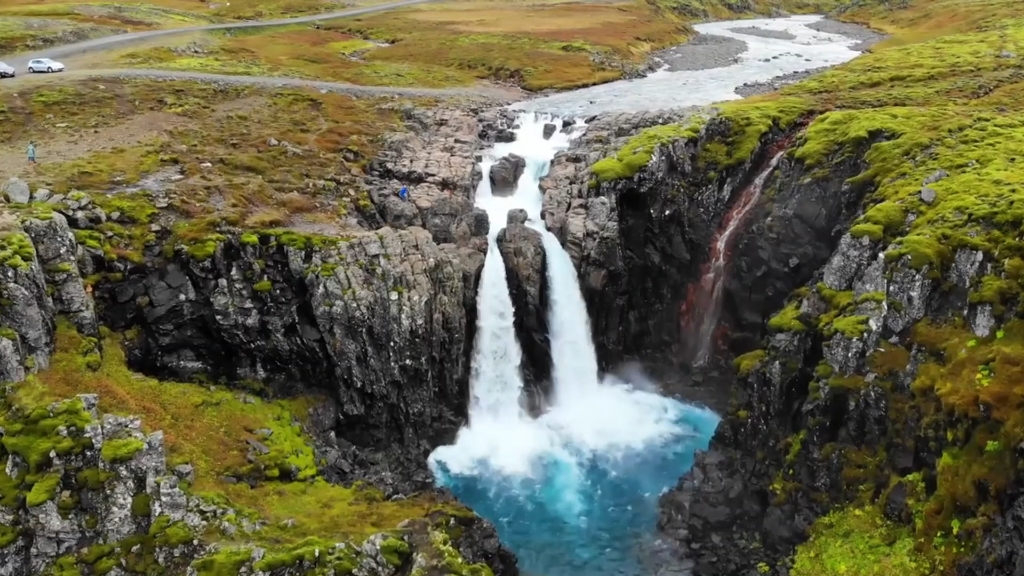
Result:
x=17 y=191
x=41 y=195
x=505 y=174
x=549 y=130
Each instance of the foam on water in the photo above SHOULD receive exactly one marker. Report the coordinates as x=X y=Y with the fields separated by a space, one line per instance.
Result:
x=764 y=59
x=575 y=488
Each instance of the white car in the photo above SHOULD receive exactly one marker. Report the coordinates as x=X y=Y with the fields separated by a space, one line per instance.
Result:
x=44 y=65
x=6 y=71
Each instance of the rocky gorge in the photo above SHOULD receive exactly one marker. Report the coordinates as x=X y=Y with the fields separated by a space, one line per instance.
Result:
x=866 y=361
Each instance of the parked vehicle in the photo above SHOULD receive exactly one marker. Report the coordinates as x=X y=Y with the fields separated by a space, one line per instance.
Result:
x=44 y=65
x=6 y=71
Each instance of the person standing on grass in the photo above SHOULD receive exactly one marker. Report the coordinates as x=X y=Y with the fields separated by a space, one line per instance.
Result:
x=31 y=152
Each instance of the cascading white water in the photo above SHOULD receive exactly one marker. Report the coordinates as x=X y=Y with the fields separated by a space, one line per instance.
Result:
x=495 y=366
x=592 y=465
x=575 y=362
x=587 y=416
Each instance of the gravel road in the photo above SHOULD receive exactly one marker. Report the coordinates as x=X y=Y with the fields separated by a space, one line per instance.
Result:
x=20 y=61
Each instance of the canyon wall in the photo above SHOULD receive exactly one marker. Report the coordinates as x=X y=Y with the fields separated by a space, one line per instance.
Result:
x=329 y=368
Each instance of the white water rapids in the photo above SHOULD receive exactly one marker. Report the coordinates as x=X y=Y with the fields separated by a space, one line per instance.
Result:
x=588 y=416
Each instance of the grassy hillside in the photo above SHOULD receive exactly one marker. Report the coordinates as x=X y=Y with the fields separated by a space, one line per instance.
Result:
x=937 y=103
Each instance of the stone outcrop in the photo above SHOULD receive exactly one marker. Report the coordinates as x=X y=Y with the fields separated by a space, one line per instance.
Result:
x=657 y=225
x=522 y=250
x=378 y=320
x=16 y=191
x=57 y=252
x=27 y=312
x=622 y=231
x=109 y=504
x=504 y=174
x=90 y=490
x=830 y=407
x=437 y=161
x=292 y=311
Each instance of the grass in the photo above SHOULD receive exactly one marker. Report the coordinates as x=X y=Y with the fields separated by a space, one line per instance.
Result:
x=30 y=25
x=216 y=146
x=69 y=111
x=538 y=46
x=149 y=14
x=209 y=428
x=859 y=542
x=637 y=151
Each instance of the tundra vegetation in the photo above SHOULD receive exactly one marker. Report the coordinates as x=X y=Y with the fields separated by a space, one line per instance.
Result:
x=934 y=114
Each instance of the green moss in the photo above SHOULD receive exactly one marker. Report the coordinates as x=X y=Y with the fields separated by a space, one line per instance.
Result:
x=141 y=505
x=249 y=239
x=859 y=542
x=394 y=551
x=922 y=250
x=300 y=241
x=94 y=554
x=746 y=363
x=788 y=319
x=64 y=566
x=876 y=297
x=823 y=370
x=994 y=290
x=43 y=490
x=849 y=326
x=637 y=151
x=872 y=231
x=227 y=562
x=8 y=333
x=204 y=248
x=121 y=449
x=8 y=535
x=263 y=286
x=748 y=123
x=853 y=382
x=16 y=250
x=310 y=551
x=171 y=534
x=33 y=434
x=453 y=561
x=795 y=443
x=889 y=215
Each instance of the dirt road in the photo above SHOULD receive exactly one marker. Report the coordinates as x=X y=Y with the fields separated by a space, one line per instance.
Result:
x=20 y=61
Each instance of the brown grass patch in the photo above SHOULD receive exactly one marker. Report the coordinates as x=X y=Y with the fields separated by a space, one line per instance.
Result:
x=295 y=203
x=537 y=46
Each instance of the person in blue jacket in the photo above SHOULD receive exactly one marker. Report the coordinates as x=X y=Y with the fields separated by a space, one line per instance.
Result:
x=403 y=193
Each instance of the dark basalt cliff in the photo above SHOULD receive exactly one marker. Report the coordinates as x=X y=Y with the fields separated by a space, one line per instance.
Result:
x=366 y=338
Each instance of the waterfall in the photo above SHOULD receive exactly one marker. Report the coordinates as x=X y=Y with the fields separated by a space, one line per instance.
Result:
x=591 y=467
x=703 y=305
x=572 y=348
x=496 y=359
